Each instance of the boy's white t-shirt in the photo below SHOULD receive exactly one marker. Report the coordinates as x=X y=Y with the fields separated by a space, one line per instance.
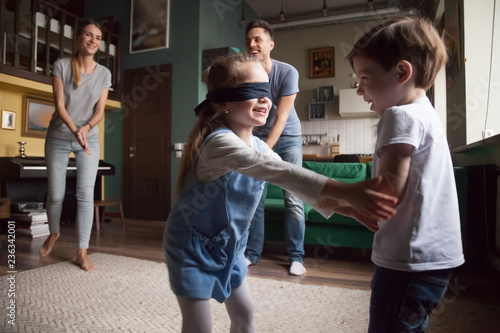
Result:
x=425 y=232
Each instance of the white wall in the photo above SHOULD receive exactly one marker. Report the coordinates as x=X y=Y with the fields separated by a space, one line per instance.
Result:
x=478 y=20
x=357 y=136
x=292 y=46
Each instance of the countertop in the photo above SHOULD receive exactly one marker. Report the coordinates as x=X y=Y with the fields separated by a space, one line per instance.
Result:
x=488 y=142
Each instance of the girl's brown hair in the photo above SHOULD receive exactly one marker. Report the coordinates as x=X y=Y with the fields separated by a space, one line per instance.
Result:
x=225 y=72
x=415 y=40
x=74 y=58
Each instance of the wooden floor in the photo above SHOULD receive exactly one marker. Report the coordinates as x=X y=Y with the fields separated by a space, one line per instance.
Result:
x=347 y=268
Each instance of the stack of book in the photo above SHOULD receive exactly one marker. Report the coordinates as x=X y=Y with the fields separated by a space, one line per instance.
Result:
x=31 y=220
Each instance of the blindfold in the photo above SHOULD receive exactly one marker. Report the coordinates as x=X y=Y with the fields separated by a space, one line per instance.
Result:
x=242 y=92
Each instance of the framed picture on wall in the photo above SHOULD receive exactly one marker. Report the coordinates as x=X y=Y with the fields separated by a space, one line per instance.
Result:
x=8 y=120
x=325 y=94
x=37 y=112
x=321 y=62
x=149 y=25
x=317 y=111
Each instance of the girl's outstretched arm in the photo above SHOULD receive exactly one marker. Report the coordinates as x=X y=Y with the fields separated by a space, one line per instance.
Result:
x=364 y=198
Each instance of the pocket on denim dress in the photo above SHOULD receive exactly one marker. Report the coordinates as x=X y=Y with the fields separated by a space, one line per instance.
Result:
x=209 y=253
x=423 y=294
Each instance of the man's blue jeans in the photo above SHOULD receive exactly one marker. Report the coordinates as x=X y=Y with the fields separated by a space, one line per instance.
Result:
x=289 y=148
x=402 y=301
x=57 y=156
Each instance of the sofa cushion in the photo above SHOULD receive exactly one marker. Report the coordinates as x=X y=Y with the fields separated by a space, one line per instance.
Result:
x=343 y=172
x=315 y=217
x=275 y=209
x=369 y=167
x=274 y=192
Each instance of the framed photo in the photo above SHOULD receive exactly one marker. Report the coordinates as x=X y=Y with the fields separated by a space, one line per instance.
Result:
x=37 y=112
x=325 y=94
x=149 y=25
x=321 y=63
x=317 y=111
x=8 y=120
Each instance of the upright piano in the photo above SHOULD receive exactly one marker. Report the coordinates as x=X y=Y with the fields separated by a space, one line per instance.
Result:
x=25 y=180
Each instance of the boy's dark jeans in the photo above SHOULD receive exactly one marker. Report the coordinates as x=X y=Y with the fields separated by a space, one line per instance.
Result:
x=402 y=301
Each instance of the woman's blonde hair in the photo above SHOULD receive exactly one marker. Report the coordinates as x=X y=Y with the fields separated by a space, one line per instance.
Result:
x=74 y=58
x=224 y=72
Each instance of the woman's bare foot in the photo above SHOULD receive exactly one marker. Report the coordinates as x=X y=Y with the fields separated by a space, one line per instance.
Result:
x=83 y=261
x=48 y=245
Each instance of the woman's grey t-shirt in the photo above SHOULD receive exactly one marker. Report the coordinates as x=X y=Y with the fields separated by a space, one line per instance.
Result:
x=80 y=103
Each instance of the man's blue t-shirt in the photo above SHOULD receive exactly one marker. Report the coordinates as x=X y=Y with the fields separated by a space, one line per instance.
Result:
x=284 y=81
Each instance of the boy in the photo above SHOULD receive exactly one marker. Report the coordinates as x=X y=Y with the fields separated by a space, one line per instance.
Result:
x=415 y=250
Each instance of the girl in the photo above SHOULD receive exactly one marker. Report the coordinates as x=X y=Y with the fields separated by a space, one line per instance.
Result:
x=80 y=87
x=221 y=178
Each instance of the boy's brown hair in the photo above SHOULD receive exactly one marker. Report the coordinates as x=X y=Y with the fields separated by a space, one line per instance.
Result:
x=415 y=40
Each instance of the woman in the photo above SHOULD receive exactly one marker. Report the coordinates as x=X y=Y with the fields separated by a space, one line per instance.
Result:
x=80 y=86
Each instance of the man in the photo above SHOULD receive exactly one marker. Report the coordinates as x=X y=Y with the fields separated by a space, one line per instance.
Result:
x=282 y=132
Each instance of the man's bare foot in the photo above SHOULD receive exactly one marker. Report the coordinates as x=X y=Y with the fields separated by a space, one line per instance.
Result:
x=48 y=245
x=83 y=261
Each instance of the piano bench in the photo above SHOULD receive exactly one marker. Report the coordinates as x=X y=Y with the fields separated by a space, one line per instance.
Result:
x=104 y=203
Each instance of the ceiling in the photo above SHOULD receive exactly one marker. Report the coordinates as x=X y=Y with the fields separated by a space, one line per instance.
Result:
x=307 y=10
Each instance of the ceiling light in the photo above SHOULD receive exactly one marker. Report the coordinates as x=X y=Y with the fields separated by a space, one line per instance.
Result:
x=341 y=18
x=370 y=7
x=243 y=22
x=325 y=9
x=282 y=13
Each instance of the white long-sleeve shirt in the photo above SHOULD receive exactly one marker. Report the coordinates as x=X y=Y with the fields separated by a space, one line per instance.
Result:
x=227 y=152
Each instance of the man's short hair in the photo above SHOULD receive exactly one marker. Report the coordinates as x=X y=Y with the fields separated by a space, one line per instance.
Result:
x=415 y=40
x=260 y=24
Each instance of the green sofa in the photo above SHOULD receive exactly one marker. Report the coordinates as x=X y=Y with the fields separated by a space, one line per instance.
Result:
x=338 y=230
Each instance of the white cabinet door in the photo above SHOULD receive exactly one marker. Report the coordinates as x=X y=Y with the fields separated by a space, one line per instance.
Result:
x=353 y=105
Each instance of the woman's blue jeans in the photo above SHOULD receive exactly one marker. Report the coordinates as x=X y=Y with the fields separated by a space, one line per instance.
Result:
x=289 y=148
x=57 y=156
x=402 y=301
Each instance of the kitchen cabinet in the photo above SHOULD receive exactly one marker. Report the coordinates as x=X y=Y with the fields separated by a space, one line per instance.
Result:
x=353 y=105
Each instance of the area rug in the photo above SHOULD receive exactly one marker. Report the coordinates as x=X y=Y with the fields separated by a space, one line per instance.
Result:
x=131 y=295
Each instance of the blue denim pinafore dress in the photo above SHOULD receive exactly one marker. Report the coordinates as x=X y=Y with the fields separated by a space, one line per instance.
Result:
x=207 y=230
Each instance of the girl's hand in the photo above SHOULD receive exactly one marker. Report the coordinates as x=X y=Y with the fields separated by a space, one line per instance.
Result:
x=370 y=223
x=81 y=136
x=366 y=198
